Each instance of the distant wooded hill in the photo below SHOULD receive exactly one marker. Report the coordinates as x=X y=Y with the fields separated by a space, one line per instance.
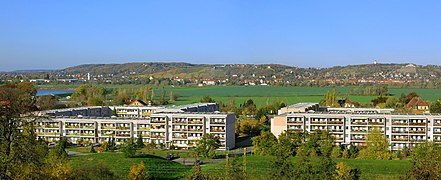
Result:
x=275 y=71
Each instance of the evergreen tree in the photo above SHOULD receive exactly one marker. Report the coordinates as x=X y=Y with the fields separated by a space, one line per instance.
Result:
x=128 y=149
x=139 y=142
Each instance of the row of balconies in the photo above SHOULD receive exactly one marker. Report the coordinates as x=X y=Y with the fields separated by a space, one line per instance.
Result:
x=217 y=130
x=358 y=138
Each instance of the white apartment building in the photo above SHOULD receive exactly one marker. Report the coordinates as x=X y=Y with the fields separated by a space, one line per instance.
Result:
x=351 y=126
x=178 y=128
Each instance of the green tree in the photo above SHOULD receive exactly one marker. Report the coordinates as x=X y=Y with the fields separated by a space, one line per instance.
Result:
x=289 y=142
x=121 y=98
x=282 y=168
x=249 y=127
x=377 y=146
x=197 y=173
x=426 y=162
x=264 y=144
x=207 y=99
x=128 y=148
x=436 y=107
x=46 y=102
x=317 y=143
x=342 y=172
x=336 y=152
x=21 y=156
x=392 y=102
x=207 y=145
x=90 y=95
x=60 y=149
x=139 y=142
x=346 y=154
x=236 y=170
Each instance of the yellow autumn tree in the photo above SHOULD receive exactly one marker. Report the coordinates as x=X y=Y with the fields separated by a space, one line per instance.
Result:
x=342 y=171
x=138 y=172
x=61 y=171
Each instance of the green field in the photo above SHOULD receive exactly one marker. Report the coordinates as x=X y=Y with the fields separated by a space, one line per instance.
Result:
x=262 y=95
x=159 y=168
x=258 y=167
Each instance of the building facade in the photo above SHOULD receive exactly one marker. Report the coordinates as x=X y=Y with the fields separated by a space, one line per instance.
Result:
x=178 y=128
x=352 y=126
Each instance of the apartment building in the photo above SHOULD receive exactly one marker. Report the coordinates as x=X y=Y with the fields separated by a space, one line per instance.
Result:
x=133 y=110
x=144 y=111
x=171 y=126
x=351 y=126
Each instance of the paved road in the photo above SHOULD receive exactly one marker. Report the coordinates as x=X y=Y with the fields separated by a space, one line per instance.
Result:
x=74 y=153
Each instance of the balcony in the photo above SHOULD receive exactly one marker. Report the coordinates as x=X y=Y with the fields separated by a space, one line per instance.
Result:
x=439 y=132
x=417 y=124
x=216 y=122
x=399 y=139
x=123 y=135
x=195 y=122
x=417 y=140
x=296 y=122
x=376 y=123
x=358 y=138
x=73 y=126
x=180 y=137
x=157 y=137
x=88 y=127
x=217 y=130
x=399 y=123
x=157 y=121
x=318 y=122
x=335 y=130
x=88 y=134
x=335 y=122
x=144 y=128
x=52 y=126
x=196 y=130
x=417 y=131
x=399 y=131
x=359 y=123
x=122 y=128
x=179 y=122
x=158 y=129
x=437 y=124
x=179 y=129
x=108 y=127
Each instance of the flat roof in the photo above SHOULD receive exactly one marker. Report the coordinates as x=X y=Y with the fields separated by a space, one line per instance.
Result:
x=355 y=113
x=302 y=105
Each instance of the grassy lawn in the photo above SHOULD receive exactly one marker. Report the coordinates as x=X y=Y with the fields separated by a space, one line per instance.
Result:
x=158 y=167
x=258 y=167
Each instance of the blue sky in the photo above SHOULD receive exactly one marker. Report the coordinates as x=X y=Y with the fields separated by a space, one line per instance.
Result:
x=57 y=34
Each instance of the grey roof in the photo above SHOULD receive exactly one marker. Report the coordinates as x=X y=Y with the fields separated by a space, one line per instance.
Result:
x=302 y=105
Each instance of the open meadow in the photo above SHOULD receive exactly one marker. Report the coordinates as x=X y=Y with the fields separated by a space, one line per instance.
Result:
x=258 y=167
x=261 y=95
